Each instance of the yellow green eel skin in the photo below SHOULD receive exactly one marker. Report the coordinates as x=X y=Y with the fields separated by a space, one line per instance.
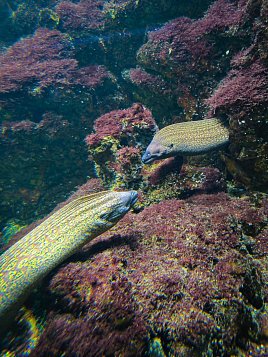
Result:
x=55 y=239
x=189 y=138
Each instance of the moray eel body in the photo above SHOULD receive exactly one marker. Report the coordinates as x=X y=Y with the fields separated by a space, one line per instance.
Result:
x=54 y=240
x=189 y=138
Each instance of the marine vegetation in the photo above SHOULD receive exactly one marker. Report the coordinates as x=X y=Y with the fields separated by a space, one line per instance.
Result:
x=190 y=273
x=215 y=65
x=91 y=91
x=116 y=146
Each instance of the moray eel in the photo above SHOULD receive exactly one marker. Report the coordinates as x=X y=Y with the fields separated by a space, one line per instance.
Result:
x=58 y=237
x=189 y=138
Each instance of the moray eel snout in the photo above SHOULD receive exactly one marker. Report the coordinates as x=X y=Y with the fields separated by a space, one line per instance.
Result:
x=154 y=151
x=125 y=201
x=129 y=198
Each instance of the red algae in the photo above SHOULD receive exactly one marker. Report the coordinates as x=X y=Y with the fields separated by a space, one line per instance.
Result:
x=243 y=97
x=184 y=60
x=42 y=58
x=120 y=122
x=181 y=271
x=184 y=43
x=183 y=277
x=243 y=89
x=146 y=80
x=92 y=76
x=213 y=66
x=118 y=142
x=84 y=15
x=46 y=60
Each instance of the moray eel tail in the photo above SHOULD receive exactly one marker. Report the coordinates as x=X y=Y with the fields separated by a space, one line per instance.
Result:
x=58 y=237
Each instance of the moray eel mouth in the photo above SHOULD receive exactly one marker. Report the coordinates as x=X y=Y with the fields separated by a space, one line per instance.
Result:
x=127 y=200
x=147 y=158
x=132 y=198
x=154 y=151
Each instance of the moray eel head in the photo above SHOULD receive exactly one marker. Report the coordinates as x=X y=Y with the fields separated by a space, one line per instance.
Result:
x=118 y=205
x=156 y=151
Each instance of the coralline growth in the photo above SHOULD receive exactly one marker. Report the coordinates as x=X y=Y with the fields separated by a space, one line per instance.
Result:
x=203 y=294
x=116 y=146
x=82 y=16
x=44 y=60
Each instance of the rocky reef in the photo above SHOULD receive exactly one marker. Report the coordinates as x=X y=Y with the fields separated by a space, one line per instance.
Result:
x=182 y=277
x=215 y=65
x=48 y=105
x=38 y=165
x=84 y=85
x=116 y=146
x=190 y=57
x=82 y=60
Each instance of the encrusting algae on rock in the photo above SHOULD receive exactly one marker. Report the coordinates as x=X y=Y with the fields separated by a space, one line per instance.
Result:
x=54 y=240
x=189 y=138
x=183 y=277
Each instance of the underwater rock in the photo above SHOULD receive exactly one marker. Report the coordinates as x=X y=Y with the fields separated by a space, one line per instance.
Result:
x=105 y=32
x=224 y=53
x=51 y=79
x=43 y=58
x=243 y=97
x=85 y=15
x=111 y=32
x=95 y=39
x=173 y=179
x=40 y=163
x=80 y=16
x=132 y=13
x=19 y=18
x=116 y=150
x=179 y=271
x=182 y=278
x=116 y=146
x=184 y=44
x=48 y=103
x=154 y=91
x=190 y=55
